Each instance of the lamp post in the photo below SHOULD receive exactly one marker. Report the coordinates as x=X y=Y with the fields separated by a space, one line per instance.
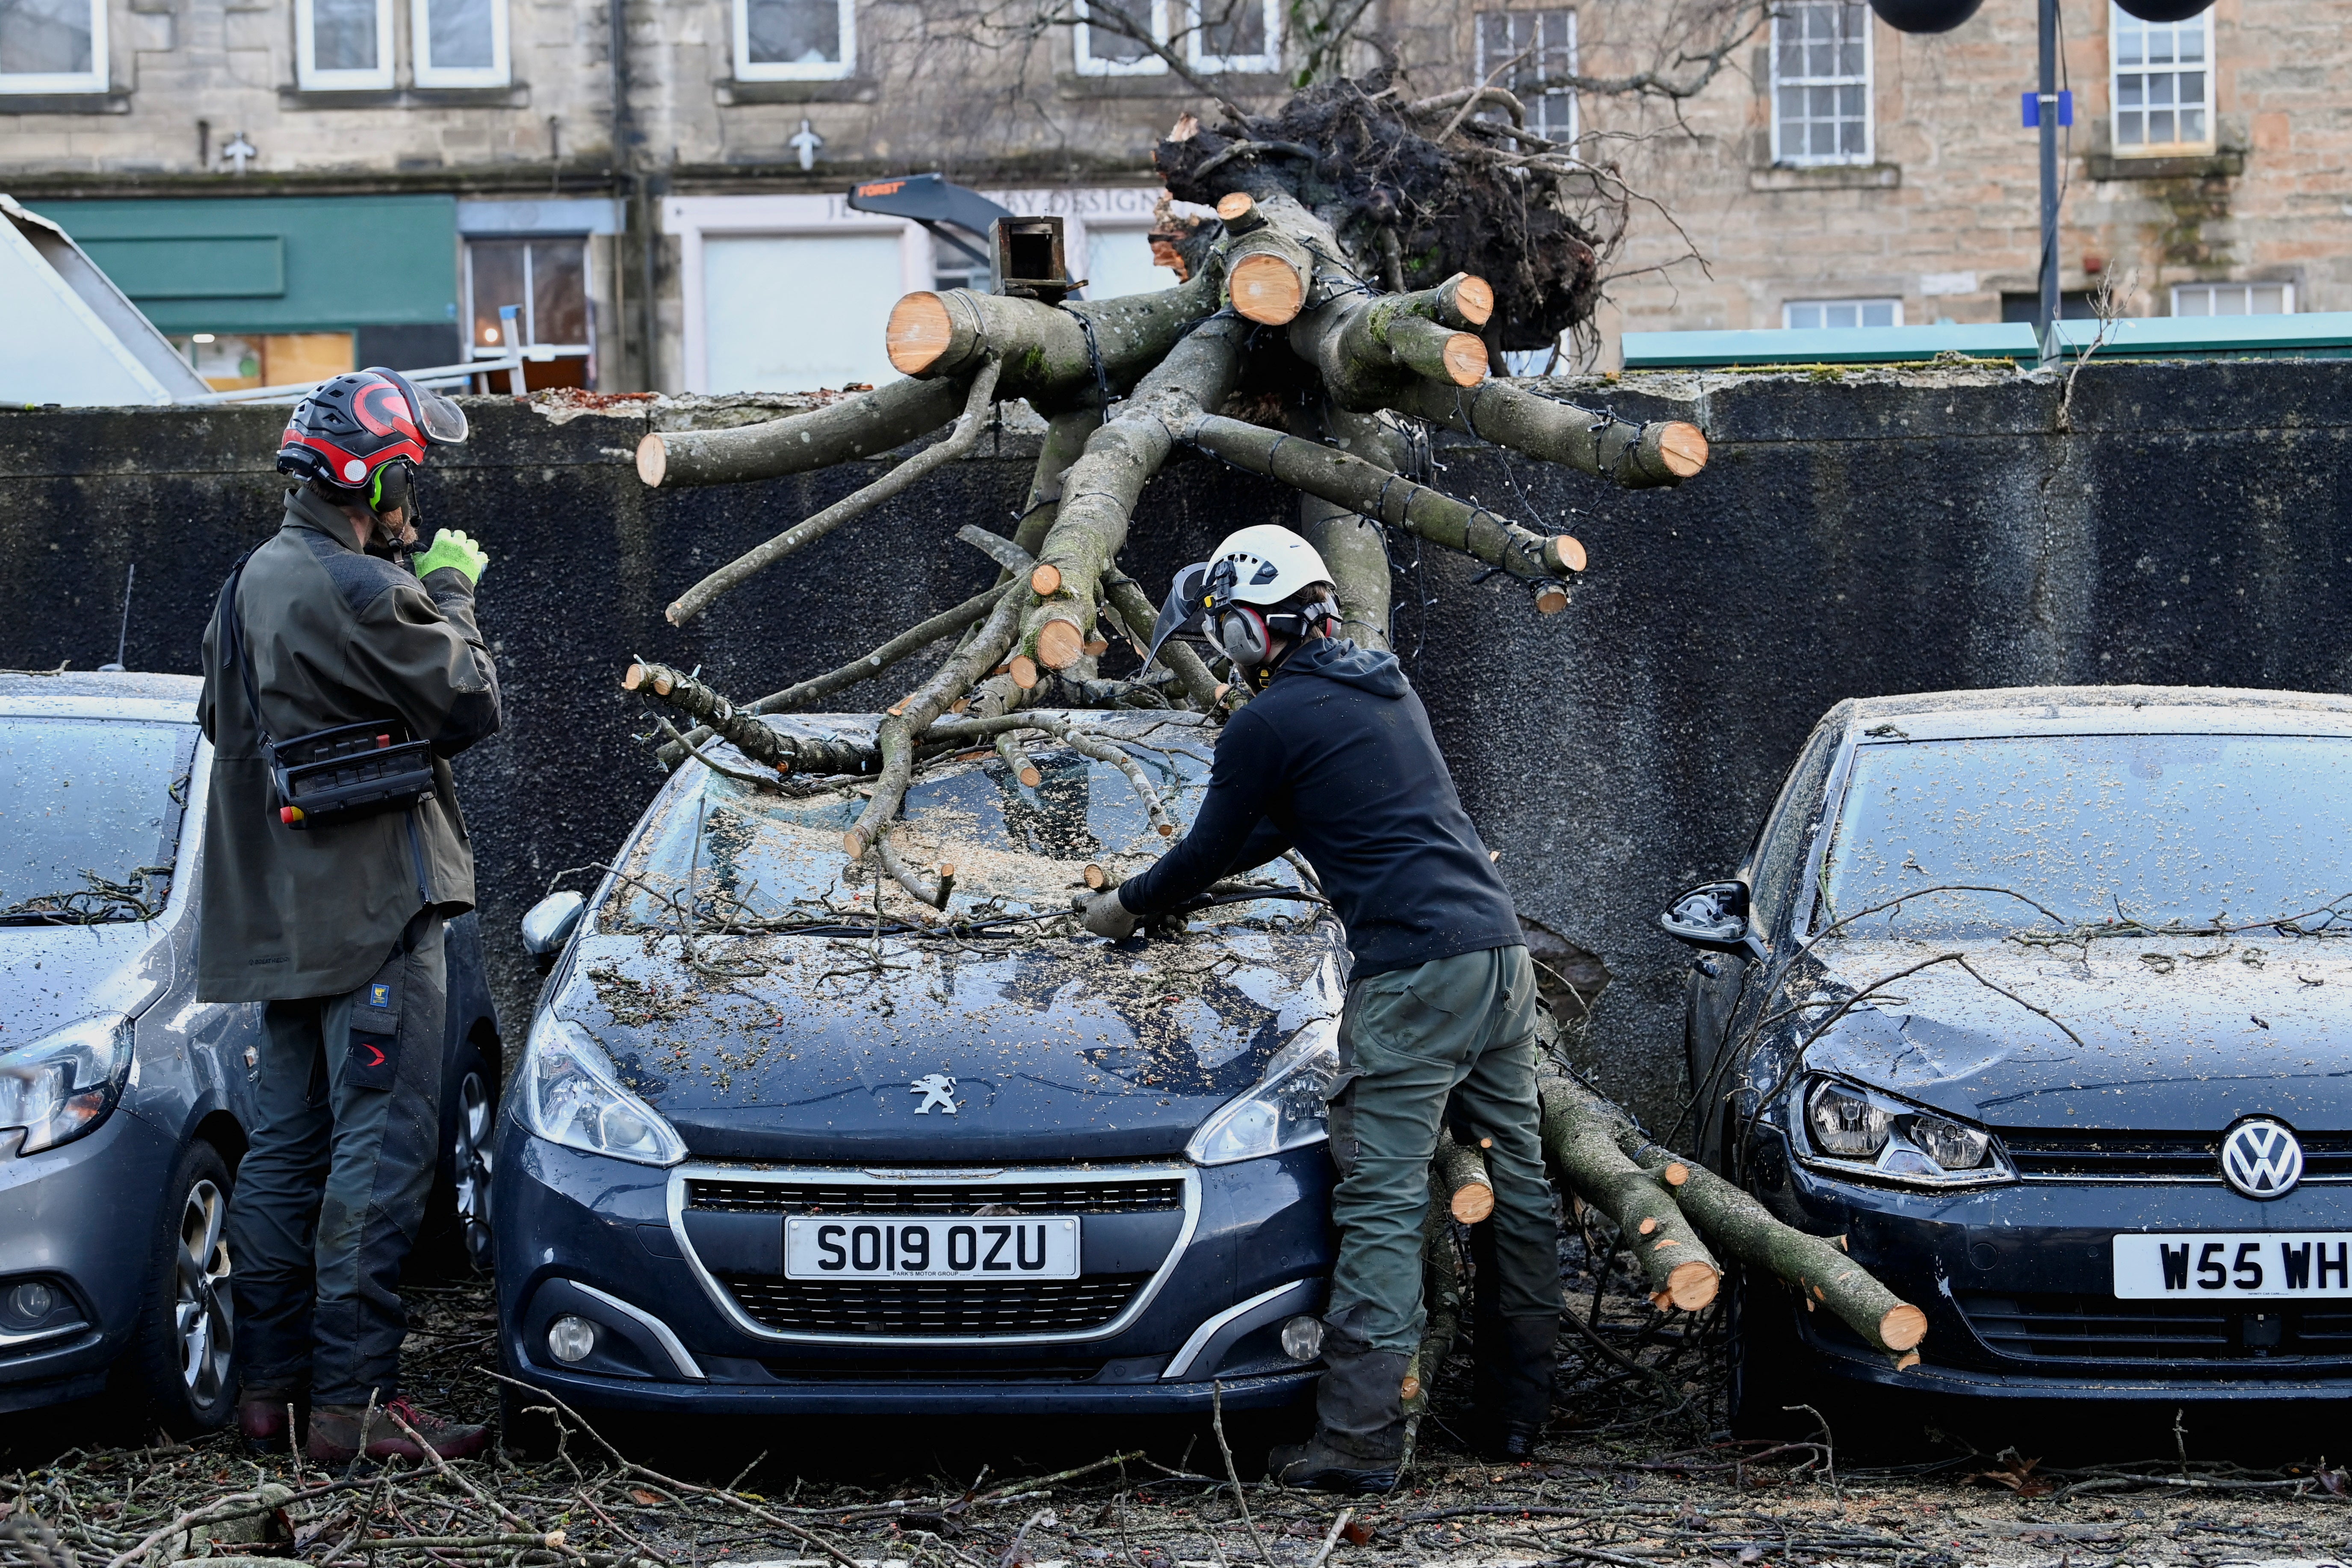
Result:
x=2048 y=111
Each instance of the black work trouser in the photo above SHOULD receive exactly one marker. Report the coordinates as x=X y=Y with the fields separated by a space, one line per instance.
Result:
x=332 y=1189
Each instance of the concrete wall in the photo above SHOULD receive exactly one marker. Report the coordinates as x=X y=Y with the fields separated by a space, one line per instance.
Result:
x=1864 y=533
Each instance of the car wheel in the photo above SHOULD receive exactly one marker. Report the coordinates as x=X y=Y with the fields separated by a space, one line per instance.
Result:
x=181 y=1360
x=457 y=1239
x=469 y=1156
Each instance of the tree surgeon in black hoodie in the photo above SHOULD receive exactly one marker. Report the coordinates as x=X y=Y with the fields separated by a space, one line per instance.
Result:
x=1333 y=756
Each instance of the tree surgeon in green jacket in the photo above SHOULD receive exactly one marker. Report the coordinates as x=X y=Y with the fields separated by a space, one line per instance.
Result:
x=334 y=919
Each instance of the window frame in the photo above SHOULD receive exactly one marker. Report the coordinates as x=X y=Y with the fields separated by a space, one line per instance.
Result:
x=310 y=78
x=2212 y=287
x=1082 y=37
x=1859 y=301
x=747 y=69
x=2117 y=20
x=1486 y=69
x=1867 y=81
x=500 y=72
x=530 y=302
x=95 y=80
x=1236 y=65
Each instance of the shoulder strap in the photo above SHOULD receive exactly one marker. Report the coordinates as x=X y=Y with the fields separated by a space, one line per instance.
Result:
x=233 y=632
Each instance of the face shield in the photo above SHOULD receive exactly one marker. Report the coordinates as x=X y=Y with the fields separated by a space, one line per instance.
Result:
x=442 y=421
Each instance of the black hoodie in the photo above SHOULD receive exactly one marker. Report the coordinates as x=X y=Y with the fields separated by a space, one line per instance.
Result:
x=1336 y=758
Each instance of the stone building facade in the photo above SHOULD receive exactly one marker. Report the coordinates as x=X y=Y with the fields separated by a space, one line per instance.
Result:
x=656 y=188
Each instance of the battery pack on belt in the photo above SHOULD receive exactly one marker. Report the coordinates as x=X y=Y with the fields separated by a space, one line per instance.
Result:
x=349 y=772
x=328 y=775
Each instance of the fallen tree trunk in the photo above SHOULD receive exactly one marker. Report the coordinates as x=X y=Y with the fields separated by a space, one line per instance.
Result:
x=1579 y=1138
x=1052 y=353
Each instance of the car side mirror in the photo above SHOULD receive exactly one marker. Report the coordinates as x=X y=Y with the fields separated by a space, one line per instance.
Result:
x=1714 y=916
x=549 y=924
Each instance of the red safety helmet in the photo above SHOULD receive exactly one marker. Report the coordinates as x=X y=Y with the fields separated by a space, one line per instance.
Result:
x=365 y=431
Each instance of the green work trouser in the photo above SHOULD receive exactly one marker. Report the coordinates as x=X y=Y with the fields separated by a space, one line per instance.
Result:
x=1452 y=1039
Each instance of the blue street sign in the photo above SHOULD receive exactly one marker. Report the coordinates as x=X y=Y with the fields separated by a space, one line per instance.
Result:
x=2032 y=101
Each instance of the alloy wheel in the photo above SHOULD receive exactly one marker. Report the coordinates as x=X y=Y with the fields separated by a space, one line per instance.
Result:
x=471 y=1160
x=202 y=1311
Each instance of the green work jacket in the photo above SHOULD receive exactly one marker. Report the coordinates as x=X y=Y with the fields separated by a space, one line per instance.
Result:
x=335 y=635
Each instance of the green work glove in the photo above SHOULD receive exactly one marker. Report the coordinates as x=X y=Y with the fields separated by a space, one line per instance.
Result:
x=453 y=549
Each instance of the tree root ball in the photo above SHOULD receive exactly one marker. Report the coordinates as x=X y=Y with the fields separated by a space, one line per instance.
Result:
x=1347 y=151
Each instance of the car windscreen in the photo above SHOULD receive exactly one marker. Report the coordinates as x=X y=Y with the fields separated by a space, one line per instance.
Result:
x=2094 y=830
x=90 y=816
x=756 y=859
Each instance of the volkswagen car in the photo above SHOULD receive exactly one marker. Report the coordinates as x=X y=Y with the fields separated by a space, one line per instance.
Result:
x=794 y=1133
x=125 y=1103
x=2042 y=999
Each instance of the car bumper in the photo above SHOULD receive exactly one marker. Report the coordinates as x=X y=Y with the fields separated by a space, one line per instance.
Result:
x=2018 y=1287
x=82 y=1218
x=682 y=1326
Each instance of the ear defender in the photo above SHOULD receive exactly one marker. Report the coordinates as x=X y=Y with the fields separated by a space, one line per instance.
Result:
x=388 y=488
x=1242 y=632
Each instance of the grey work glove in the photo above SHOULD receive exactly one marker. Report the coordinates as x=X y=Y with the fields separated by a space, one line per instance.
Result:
x=1106 y=916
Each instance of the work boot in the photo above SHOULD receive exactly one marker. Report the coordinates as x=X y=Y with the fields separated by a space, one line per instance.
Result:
x=261 y=1415
x=1359 y=1442
x=336 y=1440
x=1511 y=1384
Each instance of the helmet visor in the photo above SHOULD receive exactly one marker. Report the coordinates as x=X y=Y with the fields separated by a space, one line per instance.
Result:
x=442 y=421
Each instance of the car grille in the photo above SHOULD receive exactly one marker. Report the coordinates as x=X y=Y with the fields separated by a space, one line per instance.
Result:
x=2154 y=1156
x=914 y=1198
x=2104 y=1329
x=932 y=1307
x=837 y=1371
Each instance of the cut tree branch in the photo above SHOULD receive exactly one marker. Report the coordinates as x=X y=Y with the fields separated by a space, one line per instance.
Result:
x=840 y=432
x=1580 y=1138
x=696 y=599
x=1387 y=497
x=1637 y=456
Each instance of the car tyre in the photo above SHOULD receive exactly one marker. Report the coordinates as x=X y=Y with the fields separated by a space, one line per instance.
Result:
x=527 y=1427
x=179 y=1370
x=459 y=1229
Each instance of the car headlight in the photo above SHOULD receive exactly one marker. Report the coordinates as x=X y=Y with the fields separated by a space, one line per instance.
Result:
x=1285 y=1111
x=1867 y=1133
x=571 y=1096
x=63 y=1084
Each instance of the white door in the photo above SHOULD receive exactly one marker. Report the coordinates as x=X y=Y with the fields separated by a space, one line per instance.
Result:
x=1118 y=261
x=795 y=312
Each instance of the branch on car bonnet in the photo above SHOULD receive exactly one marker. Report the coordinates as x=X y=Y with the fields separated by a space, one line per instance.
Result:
x=933 y=890
x=897 y=736
x=912 y=641
x=694 y=600
x=736 y=726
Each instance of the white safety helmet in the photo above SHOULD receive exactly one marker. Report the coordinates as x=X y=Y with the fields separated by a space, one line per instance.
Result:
x=1230 y=596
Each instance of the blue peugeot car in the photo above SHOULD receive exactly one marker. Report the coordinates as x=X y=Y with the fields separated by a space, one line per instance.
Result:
x=792 y=1133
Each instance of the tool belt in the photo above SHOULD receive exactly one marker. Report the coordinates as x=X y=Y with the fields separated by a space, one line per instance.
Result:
x=336 y=776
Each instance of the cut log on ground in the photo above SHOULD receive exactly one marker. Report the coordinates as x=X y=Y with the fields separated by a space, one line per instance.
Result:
x=1462 y=1177
x=1579 y=1138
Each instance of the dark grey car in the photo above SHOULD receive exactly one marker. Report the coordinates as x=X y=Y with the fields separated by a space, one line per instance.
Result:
x=2039 y=999
x=124 y=1102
